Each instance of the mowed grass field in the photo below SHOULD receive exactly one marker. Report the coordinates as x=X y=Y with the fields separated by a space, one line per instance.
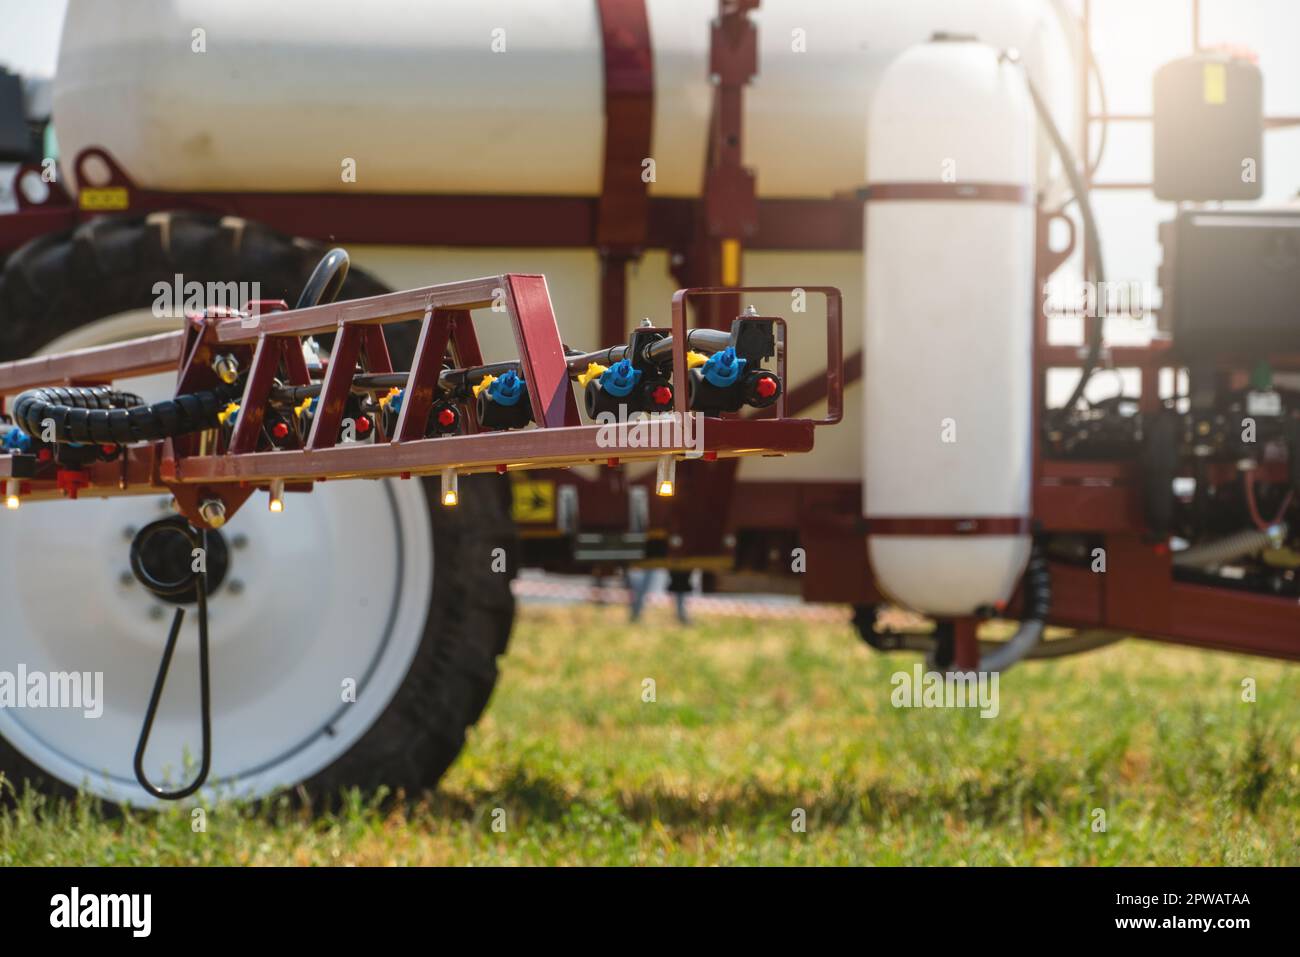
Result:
x=756 y=721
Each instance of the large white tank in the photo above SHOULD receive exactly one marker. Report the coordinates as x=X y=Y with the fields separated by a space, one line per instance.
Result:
x=415 y=94
x=948 y=364
x=490 y=96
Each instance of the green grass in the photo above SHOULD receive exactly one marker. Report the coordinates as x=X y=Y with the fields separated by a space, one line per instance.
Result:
x=754 y=720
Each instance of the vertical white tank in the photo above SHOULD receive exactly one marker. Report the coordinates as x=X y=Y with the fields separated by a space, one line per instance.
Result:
x=948 y=342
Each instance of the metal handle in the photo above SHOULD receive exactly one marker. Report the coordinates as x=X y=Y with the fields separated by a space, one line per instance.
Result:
x=199 y=580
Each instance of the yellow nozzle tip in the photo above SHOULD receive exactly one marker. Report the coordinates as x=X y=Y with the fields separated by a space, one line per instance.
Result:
x=594 y=369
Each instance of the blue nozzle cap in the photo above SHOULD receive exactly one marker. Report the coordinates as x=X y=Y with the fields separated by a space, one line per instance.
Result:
x=507 y=388
x=723 y=368
x=16 y=440
x=620 y=378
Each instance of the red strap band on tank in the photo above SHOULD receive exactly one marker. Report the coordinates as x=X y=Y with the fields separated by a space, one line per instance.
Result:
x=979 y=192
x=929 y=526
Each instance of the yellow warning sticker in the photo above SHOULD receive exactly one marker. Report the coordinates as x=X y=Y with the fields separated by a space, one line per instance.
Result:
x=534 y=501
x=731 y=262
x=104 y=198
x=1216 y=84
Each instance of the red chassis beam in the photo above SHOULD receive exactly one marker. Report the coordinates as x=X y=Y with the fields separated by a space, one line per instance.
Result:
x=834 y=223
x=195 y=468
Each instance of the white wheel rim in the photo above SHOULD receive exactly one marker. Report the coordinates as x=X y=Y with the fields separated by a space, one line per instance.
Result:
x=303 y=613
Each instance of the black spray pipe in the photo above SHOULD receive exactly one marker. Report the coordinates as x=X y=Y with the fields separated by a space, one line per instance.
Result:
x=458 y=380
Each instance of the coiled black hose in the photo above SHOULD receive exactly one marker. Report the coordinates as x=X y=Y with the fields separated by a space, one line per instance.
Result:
x=104 y=416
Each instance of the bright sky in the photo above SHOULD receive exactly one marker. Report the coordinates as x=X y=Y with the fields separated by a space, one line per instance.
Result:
x=29 y=35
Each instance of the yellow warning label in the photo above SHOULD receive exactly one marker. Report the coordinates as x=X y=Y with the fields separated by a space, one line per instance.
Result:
x=534 y=501
x=104 y=198
x=1216 y=84
x=731 y=262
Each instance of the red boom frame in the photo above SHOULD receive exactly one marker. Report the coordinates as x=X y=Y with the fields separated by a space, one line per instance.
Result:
x=195 y=468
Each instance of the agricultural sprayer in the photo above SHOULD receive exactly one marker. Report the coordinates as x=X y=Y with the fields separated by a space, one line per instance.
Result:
x=1024 y=494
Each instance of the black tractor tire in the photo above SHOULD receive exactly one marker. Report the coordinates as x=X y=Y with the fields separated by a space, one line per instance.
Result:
x=471 y=612
x=109 y=266
x=59 y=282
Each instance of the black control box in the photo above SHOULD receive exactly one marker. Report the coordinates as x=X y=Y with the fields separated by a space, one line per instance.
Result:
x=16 y=144
x=1231 y=283
x=1208 y=129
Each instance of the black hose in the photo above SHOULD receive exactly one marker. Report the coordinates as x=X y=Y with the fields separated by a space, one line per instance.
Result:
x=1293 y=452
x=326 y=280
x=103 y=416
x=1038 y=585
x=1094 y=164
x=1037 y=606
x=1090 y=235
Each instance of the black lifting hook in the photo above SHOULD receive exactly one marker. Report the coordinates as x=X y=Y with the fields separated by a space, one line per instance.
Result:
x=191 y=585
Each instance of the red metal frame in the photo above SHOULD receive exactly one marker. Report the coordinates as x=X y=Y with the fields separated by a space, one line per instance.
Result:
x=623 y=209
x=524 y=221
x=195 y=469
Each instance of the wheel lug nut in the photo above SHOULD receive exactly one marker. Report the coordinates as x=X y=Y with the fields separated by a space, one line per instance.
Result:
x=213 y=511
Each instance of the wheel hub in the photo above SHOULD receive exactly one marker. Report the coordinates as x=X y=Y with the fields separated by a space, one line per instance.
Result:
x=163 y=560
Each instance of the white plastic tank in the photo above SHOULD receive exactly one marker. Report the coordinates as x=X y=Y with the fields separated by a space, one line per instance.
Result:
x=494 y=96
x=948 y=365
